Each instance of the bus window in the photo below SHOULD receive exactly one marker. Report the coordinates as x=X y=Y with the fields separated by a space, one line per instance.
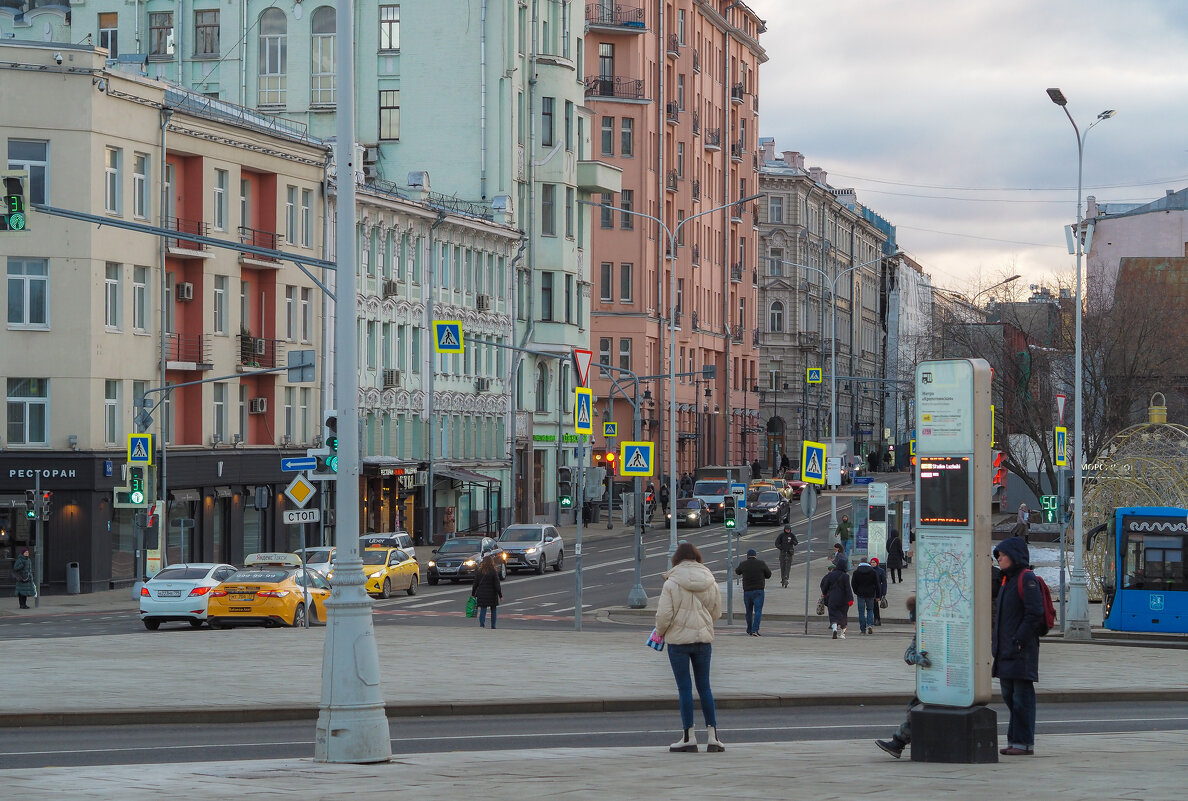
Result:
x=1155 y=563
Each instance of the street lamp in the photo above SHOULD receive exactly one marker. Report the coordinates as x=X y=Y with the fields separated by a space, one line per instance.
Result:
x=1076 y=625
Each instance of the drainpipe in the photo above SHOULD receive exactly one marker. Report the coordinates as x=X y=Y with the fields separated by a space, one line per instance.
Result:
x=482 y=101
x=178 y=30
x=162 y=491
x=243 y=32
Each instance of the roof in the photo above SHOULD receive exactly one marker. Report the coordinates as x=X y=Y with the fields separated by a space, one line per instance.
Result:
x=1172 y=201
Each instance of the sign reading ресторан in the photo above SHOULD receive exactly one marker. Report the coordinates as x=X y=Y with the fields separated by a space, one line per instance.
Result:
x=35 y=472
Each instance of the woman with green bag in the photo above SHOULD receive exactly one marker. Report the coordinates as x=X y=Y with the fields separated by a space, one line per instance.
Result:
x=486 y=591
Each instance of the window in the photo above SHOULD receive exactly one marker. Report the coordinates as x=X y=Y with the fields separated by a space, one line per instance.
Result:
x=290 y=312
x=220 y=304
x=681 y=92
x=111 y=295
x=606 y=63
x=627 y=138
x=274 y=57
x=604 y=353
x=321 y=77
x=775 y=261
x=606 y=212
x=306 y=218
x=625 y=353
x=608 y=136
x=626 y=203
x=306 y=314
x=219 y=424
x=161 y=33
x=607 y=277
x=570 y=203
x=546 y=121
x=626 y=295
x=775 y=209
x=245 y=202
x=680 y=160
x=681 y=26
x=542 y=387
x=290 y=402
x=548 y=211
x=776 y=318
x=28 y=411
x=111 y=412
x=111 y=180
x=109 y=34
x=140 y=186
x=546 y=296
x=304 y=396
x=291 y=214
x=206 y=34
x=569 y=298
x=389 y=114
x=220 y=200
x=569 y=125
x=140 y=299
x=33 y=157
x=389 y=27
x=28 y=293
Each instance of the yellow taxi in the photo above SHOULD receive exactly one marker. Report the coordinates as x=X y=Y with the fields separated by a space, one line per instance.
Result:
x=759 y=484
x=782 y=487
x=271 y=589
x=388 y=569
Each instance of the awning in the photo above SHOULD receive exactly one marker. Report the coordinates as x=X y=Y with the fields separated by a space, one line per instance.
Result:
x=464 y=475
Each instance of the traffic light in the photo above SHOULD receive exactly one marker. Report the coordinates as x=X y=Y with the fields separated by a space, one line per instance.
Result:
x=30 y=505
x=595 y=483
x=565 y=487
x=998 y=474
x=327 y=455
x=47 y=502
x=14 y=200
x=728 y=515
x=136 y=491
x=1050 y=504
x=610 y=462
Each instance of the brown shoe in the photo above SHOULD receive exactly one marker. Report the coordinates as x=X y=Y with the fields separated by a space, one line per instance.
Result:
x=1012 y=751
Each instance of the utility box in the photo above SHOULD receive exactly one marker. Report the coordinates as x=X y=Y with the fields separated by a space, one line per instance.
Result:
x=73 y=584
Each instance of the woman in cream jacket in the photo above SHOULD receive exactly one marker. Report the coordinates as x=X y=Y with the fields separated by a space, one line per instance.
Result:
x=689 y=604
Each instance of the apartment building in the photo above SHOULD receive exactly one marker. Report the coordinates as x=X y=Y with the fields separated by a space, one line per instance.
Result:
x=100 y=317
x=674 y=88
x=821 y=256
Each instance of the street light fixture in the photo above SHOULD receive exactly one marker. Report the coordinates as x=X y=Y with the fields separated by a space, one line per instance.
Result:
x=1076 y=624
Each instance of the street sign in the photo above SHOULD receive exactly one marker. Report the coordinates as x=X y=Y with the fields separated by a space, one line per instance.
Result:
x=140 y=449
x=813 y=375
x=833 y=471
x=912 y=448
x=610 y=430
x=295 y=517
x=636 y=458
x=1060 y=399
x=300 y=490
x=583 y=411
x=581 y=363
x=739 y=491
x=296 y=465
x=301 y=366
x=447 y=336
x=1061 y=446
x=808 y=501
x=812 y=461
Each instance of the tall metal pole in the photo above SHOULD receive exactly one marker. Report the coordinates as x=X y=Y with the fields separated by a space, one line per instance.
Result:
x=578 y=495
x=352 y=725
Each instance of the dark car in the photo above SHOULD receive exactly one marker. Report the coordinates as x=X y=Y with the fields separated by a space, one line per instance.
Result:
x=458 y=558
x=767 y=505
x=690 y=512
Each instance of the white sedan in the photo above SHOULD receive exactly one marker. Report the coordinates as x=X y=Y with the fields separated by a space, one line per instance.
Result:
x=180 y=593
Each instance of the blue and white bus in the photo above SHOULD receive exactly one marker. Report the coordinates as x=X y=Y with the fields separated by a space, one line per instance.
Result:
x=1144 y=586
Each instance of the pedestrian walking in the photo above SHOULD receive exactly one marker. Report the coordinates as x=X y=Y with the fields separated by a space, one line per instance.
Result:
x=487 y=590
x=845 y=535
x=686 y=486
x=786 y=544
x=903 y=735
x=1022 y=527
x=895 y=557
x=22 y=571
x=754 y=572
x=785 y=464
x=689 y=604
x=839 y=555
x=881 y=572
x=1016 y=643
x=838 y=597
x=756 y=470
x=664 y=497
x=865 y=583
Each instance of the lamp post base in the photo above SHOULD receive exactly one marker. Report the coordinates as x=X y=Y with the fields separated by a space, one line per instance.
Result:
x=1076 y=627
x=637 y=598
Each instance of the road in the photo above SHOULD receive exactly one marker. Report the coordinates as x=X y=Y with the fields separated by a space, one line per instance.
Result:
x=103 y=745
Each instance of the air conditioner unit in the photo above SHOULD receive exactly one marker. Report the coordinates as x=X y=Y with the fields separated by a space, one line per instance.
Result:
x=483 y=303
x=258 y=406
x=185 y=291
x=370 y=155
x=370 y=171
x=391 y=288
x=483 y=385
x=391 y=378
x=261 y=346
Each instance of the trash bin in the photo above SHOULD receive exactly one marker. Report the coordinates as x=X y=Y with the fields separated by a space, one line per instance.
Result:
x=73 y=586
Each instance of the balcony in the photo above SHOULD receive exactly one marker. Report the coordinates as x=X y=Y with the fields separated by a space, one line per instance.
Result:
x=696 y=254
x=755 y=337
x=712 y=139
x=736 y=335
x=697 y=61
x=618 y=18
x=736 y=273
x=676 y=318
x=187 y=352
x=736 y=151
x=614 y=86
x=693 y=318
x=674 y=46
x=736 y=93
x=696 y=124
x=808 y=340
x=696 y=191
x=257 y=352
x=672 y=112
x=181 y=247
x=598 y=176
x=670 y=181
x=260 y=239
x=754 y=278
x=736 y=212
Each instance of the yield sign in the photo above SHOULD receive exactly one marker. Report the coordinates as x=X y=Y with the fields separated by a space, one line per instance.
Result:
x=581 y=361
x=1060 y=399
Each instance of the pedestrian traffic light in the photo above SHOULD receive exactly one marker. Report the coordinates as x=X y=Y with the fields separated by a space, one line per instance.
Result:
x=1050 y=504
x=327 y=455
x=728 y=516
x=998 y=473
x=136 y=492
x=610 y=463
x=47 y=502
x=565 y=487
x=30 y=505
x=14 y=200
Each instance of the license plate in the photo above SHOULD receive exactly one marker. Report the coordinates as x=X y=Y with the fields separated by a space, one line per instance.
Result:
x=243 y=597
x=168 y=593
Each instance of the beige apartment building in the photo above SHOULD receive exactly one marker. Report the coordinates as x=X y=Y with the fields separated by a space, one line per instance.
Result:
x=98 y=315
x=674 y=88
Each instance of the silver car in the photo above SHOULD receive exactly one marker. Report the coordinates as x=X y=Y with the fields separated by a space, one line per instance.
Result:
x=533 y=546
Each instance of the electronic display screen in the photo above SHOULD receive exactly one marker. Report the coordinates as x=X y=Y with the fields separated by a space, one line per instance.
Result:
x=944 y=491
x=878 y=514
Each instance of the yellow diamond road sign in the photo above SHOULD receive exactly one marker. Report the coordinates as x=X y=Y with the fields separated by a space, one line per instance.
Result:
x=300 y=491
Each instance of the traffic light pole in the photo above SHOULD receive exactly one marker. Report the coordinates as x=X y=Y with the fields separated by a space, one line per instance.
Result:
x=39 y=547
x=578 y=495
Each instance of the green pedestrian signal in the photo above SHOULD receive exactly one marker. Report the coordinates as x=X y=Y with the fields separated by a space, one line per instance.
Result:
x=1051 y=506
x=729 y=518
x=566 y=501
x=12 y=210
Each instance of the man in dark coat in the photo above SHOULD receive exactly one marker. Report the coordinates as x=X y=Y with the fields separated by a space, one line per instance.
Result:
x=756 y=470
x=754 y=572
x=22 y=569
x=895 y=557
x=664 y=497
x=865 y=583
x=881 y=572
x=786 y=544
x=1020 y=615
x=835 y=588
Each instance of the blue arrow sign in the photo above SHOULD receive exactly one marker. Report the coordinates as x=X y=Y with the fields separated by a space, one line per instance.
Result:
x=298 y=464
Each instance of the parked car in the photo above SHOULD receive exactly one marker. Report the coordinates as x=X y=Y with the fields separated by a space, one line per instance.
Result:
x=532 y=546
x=767 y=505
x=320 y=558
x=690 y=512
x=270 y=590
x=180 y=593
x=389 y=539
x=459 y=558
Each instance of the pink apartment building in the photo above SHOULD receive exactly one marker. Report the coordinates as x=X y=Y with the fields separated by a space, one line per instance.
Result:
x=674 y=89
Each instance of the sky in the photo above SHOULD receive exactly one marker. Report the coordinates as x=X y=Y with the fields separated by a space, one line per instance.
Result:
x=937 y=115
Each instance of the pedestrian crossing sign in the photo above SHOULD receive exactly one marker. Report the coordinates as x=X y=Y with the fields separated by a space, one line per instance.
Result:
x=583 y=411
x=812 y=460
x=610 y=430
x=1061 y=446
x=447 y=336
x=813 y=375
x=140 y=449
x=636 y=458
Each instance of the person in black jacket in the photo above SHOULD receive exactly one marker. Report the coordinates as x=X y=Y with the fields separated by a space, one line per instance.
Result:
x=865 y=584
x=487 y=590
x=1017 y=624
x=835 y=591
x=895 y=557
x=754 y=572
x=786 y=544
x=881 y=572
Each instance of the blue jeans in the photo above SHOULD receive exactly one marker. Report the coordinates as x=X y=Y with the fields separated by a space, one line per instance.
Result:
x=1019 y=697
x=865 y=612
x=680 y=657
x=483 y=616
x=753 y=600
x=848 y=545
